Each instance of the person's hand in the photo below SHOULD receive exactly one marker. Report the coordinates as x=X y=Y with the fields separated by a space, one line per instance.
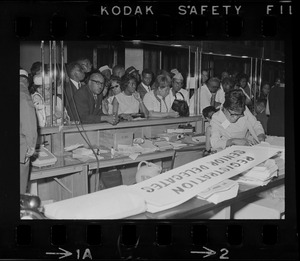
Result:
x=239 y=141
x=127 y=117
x=137 y=96
x=261 y=137
x=112 y=119
x=173 y=114
x=30 y=152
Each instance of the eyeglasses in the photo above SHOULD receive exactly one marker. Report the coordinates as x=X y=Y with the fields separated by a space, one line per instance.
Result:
x=238 y=115
x=97 y=82
x=115 y=86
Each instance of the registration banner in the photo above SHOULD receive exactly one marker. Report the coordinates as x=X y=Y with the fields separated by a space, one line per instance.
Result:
x=181 y=184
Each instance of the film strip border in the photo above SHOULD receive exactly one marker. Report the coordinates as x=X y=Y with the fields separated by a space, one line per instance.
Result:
x=153 y=20
x=162 y=240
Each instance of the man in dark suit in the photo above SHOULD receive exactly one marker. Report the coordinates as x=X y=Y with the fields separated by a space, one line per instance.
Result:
x=145 y=85
x=88 y=101
x=73 y=84
x=28 y=130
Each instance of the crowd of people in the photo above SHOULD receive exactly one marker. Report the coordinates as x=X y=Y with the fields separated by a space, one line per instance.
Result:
x=236 y=114
x=110 y=94
x=113 y=94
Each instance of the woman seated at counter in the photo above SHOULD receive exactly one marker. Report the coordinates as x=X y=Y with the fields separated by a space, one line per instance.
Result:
x=159 y=101
x=114 y=89
x=128 y=101
x=234 y=124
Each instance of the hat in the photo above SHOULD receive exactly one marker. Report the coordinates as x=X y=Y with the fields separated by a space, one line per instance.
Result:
x=130 y=70
x=178 y=76
x=174 y=71
x=38 y=79
x=23 y=73
x=105 y=67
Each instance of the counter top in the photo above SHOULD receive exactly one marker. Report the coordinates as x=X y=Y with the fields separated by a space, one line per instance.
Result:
x=120 y=125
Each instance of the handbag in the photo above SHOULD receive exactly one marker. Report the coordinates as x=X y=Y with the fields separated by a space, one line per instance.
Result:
x=181 y=106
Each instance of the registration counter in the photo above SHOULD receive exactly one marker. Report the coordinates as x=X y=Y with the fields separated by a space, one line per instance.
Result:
x=70 y=177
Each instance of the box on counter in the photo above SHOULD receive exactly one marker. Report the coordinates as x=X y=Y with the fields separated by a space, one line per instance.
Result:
x=112 y=138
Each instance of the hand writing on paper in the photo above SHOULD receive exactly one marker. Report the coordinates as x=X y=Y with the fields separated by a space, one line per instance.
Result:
x=261 y=137
x=239 y=141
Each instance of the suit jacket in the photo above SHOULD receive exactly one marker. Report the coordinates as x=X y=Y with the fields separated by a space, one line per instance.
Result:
x=141 y=90
x=276 y=106
x=69 y=103
x=28 y=123
x=89 y=110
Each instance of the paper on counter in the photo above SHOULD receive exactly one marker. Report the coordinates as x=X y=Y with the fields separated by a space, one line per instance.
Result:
x=73 y=147
x=222 y=191
x=199 y=139
x=134 y=156
x=178 y=145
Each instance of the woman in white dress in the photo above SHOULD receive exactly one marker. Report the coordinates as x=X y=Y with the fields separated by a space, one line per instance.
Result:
x=128 y=101
x=159 y=100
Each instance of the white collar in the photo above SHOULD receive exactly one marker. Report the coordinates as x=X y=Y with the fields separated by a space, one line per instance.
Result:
x=75 y=83
x=146 y=87
x=225 y=122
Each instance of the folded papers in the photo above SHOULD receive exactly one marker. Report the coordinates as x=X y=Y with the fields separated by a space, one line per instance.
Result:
x=84 y=154
x=43 y=158
x=222 y=191
x=260 y=175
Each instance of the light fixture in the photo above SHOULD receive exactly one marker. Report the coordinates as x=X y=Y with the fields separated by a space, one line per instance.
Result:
x=245 y=56
x=136 y=41
x=227 y=54
x=176 y=45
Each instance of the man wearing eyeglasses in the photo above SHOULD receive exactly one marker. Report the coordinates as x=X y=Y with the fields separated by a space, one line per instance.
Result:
x=234 y=124
x=88 y=100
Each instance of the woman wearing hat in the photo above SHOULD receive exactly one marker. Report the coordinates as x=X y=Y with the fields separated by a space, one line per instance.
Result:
x=43 y=106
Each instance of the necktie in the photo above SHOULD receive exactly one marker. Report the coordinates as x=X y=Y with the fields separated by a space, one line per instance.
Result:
x=79 y=85
x=95 y=98
x=212 y=99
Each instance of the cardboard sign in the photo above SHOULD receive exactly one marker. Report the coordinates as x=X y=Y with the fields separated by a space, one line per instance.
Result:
x=181 y=184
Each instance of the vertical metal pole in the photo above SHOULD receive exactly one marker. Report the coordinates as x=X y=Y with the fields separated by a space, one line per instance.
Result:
x=95 y=58
x=61 y=134
x=251 y=72
x=255 y=78
x=160 y=60
x=43 y=69
x=55 y=73
x=260 y=69
x=199 y=80
x=189 y=72
x=50 y=83
x=62 y=80
x=260 y=76
x=196 y=94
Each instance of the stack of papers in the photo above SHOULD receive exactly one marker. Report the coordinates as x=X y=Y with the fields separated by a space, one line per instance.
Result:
x=163 y=145
x=43 y=158
x=84 y=154
x=261 y=174
x=222 y=191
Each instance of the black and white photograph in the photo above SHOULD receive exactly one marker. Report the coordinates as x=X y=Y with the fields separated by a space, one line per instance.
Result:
x=149 y=130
